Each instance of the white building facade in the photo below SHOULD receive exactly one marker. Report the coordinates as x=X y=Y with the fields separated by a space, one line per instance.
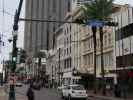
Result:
x=124 y=48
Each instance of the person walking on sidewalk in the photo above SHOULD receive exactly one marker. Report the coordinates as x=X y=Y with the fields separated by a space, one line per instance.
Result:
x=117 y=91
x=30 y=93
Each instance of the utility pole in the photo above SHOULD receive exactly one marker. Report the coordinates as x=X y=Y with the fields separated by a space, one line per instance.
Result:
x=14 y=52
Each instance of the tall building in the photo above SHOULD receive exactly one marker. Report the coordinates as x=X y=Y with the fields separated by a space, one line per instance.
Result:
x=124 y=48
x=78 y=3
x=40 y=35
x=62 y=62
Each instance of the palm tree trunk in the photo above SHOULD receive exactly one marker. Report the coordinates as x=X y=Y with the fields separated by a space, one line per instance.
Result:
x=94 y=29
x=102 y=61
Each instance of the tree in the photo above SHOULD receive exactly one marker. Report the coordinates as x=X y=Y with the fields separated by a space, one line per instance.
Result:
x=99 y=10
x=40 y=55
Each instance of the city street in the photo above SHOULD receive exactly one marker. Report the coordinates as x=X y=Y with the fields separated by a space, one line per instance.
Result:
x=45 y=94
x=42 y=94
x=84 y=48
x=48 y=94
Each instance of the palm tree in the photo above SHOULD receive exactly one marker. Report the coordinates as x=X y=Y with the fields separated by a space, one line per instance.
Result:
x=40 y=55
x=99 y=10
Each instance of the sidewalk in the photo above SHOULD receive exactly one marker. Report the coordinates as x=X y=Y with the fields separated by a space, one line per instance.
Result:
x=109 y=96
x=5 y=96
x=2 y=93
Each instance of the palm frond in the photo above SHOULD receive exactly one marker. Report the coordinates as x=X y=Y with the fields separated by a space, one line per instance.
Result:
x=99 y=9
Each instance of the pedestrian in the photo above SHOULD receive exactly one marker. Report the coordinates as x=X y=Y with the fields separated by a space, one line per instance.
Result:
x=30 y=93
x=117 y=91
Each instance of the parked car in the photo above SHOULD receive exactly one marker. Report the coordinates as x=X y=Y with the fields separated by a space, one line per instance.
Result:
x=60 y=88
x=18 y=84
x=74 y=91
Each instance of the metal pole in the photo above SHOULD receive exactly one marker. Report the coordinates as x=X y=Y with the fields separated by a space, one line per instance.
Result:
x=14 y=53
x=39 y=67
x=52 y=76
x=59 y=67
x=94 y=29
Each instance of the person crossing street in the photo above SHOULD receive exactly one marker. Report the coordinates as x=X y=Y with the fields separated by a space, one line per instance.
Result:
x=30 y=93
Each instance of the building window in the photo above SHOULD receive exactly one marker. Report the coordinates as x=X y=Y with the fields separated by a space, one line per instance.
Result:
x=110 y=39
x=85 y=60
x=54 y=6
x=91 y=59
x=70 y=62
x=64 y=64
x=67 y=51
x=105 y=40
x=70 y=39
x=70 y=28
x=65 y=32
x=70 y=49
x=98 y=43
x=64 y=52
x=64 y=42
x=110 y=59
x=91 y=43
x=88 y=59
x=67 y=41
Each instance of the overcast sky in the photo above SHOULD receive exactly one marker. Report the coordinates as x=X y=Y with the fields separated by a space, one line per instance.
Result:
x=6 y=22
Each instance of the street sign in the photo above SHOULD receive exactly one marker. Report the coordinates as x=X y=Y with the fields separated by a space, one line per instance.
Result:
x=95 y=23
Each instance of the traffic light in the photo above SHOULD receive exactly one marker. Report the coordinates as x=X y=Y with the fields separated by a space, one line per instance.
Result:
x=13 y=63
x=111 y=24
x=14 y=58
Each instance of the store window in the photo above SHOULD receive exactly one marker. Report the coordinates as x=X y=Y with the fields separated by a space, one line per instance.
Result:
x=109 y=39
x=105 y=40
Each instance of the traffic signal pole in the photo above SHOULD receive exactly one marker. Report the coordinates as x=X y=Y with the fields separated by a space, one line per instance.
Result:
x=14 y=52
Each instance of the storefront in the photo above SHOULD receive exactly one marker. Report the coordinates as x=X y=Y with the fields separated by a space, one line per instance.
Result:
x=86 y=79
x=69 y=78
x=125 y=80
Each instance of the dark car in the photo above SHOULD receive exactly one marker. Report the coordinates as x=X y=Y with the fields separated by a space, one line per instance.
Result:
x=37 y=85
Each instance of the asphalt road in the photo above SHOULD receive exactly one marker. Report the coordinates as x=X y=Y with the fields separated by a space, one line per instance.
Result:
x=52 y=94
x=43 y=94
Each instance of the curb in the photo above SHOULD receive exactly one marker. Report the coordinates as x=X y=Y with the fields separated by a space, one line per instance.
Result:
x=107 y=98
x=104 y=98
x=98 y=97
